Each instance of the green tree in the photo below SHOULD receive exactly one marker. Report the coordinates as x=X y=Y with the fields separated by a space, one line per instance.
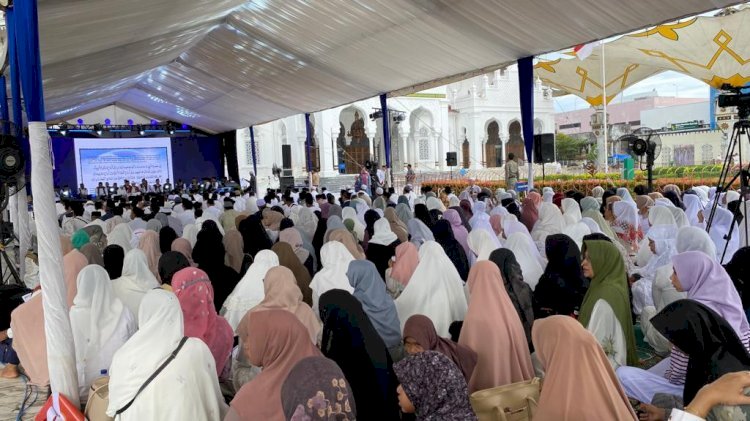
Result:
x=568 y=148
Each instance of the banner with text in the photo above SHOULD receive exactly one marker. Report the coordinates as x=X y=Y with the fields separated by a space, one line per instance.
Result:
x=116 y=160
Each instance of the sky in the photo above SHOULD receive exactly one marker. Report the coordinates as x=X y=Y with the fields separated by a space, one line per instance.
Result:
x=668 y=83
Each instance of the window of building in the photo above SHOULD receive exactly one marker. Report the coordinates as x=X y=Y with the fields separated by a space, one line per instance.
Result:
x=424 y=144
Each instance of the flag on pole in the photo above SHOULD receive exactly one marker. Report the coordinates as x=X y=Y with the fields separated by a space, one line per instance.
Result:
x=582 y=51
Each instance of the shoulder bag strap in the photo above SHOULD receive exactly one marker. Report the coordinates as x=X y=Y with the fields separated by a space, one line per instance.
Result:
x=153 y=376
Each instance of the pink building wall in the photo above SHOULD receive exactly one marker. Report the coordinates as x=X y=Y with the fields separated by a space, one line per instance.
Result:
x=626 y=112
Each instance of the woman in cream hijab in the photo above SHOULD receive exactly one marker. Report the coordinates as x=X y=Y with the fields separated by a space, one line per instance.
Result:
x=101 y=324
x=434 y=290
x=188 y=383
x=526 y=254
x=135 y=282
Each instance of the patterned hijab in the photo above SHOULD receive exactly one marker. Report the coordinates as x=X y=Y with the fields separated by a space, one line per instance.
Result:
x=316 y=389
x=435 y=386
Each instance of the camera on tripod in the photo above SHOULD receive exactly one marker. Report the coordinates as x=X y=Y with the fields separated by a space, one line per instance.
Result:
x=732 y=96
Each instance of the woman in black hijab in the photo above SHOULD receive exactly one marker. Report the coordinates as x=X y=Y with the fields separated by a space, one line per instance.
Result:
x=562 y=286
x=254 y=235
x=519 y=291
x=170 y=263
x=166 y=236
x=421 y=213
x=739 y=270
x=209 y=254
x=285 y=223
x=443 y=233
x=710 y=342
x=351 y=341
x=114 y=256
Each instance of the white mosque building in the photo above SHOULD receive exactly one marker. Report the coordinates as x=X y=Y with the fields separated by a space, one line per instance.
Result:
x=478 y=118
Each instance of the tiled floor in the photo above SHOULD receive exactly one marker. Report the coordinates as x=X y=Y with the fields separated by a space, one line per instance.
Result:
x=12 y=393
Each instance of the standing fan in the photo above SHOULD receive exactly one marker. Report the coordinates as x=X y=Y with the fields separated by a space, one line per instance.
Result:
x=643 y=145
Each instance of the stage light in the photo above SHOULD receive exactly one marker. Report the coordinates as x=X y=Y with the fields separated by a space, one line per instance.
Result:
x=80 y=122
x=141 y=131
x=98 y=129
x=170 y=128
x=130 y=122
x=107 y=122
x=154 y=122
x=184 y=127
x=63 y=129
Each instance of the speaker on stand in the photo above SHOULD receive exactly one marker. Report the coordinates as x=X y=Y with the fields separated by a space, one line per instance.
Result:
x=286 y=160
x=544 y=150
x=451 y=160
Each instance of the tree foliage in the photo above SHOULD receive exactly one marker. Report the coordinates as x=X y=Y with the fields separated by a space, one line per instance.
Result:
x=568 y=148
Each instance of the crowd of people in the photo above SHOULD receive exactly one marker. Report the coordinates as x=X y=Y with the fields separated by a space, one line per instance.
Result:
x=304 y=304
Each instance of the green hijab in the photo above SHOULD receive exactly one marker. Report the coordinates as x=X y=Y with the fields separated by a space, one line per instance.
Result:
x=599 y=219
x=79 y=239
x=610 y=284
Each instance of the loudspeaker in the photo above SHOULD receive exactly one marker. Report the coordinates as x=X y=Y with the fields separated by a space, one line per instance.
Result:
x=451 y=159
x=11 y=159
x=544 y=148
x=286 y=160
x=286 y=181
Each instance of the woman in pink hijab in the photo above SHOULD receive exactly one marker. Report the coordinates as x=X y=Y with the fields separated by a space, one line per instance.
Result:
x=496 y=222
x=530 y=210
x=182 y=245
x=402 y=268
x=196 y=295
x=149 y=243
x=459 y=231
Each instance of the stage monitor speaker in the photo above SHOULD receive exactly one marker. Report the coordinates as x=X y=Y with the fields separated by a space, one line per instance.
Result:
x=286 y=160
x=286 y=182
x=451 y=159
x=544 y=148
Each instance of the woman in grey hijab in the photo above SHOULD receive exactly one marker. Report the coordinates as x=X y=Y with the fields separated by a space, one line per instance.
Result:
x=153 y=225
x=419 y=232
x=334 y=210
x=333 y=223
x=403 y=212
x=96 y=236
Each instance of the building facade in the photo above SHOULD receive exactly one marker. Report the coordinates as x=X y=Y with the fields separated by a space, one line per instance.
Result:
x=478 y=118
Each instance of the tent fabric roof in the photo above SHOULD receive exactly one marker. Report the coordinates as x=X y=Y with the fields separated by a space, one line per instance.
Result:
x=226 y=64
x=714 y=49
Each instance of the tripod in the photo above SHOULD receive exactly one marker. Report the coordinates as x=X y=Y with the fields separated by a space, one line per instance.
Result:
x=739 y=131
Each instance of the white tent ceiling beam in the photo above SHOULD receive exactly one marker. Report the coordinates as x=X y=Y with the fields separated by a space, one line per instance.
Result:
x=222 y=65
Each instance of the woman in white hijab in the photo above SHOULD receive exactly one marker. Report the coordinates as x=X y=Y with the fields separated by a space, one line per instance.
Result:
x=307 y=221
x=657 y=215
x=577 y=231
x=679 y=217
x=661 y=240
x=480 y=217
x=526 y=254
x=626 y=225
x=136 y=280
x=550 y=222
x=249 y=292
x=593 y=226
x=598 y=192
x=359 y=228
x=101 y=324
x=121 y=235
x=624 y=194
x=434 y=290
x=720 y=226
x=433 y=203
x=693 y=210
x=187 y=387
x=335 y=259
x=571 y=211
x=190 y=233
x=482 y=243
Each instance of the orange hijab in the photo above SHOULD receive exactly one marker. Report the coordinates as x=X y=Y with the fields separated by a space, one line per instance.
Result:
x=149 y=243
x=575 y=369
x=276 y=341
x=233 y=244
x=493 y=329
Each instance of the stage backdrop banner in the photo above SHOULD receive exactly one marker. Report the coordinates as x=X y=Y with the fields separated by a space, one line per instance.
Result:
x=123 y=159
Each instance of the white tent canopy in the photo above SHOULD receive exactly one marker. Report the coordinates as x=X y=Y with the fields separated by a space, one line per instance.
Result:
x=714 y=49
x=226 y=64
